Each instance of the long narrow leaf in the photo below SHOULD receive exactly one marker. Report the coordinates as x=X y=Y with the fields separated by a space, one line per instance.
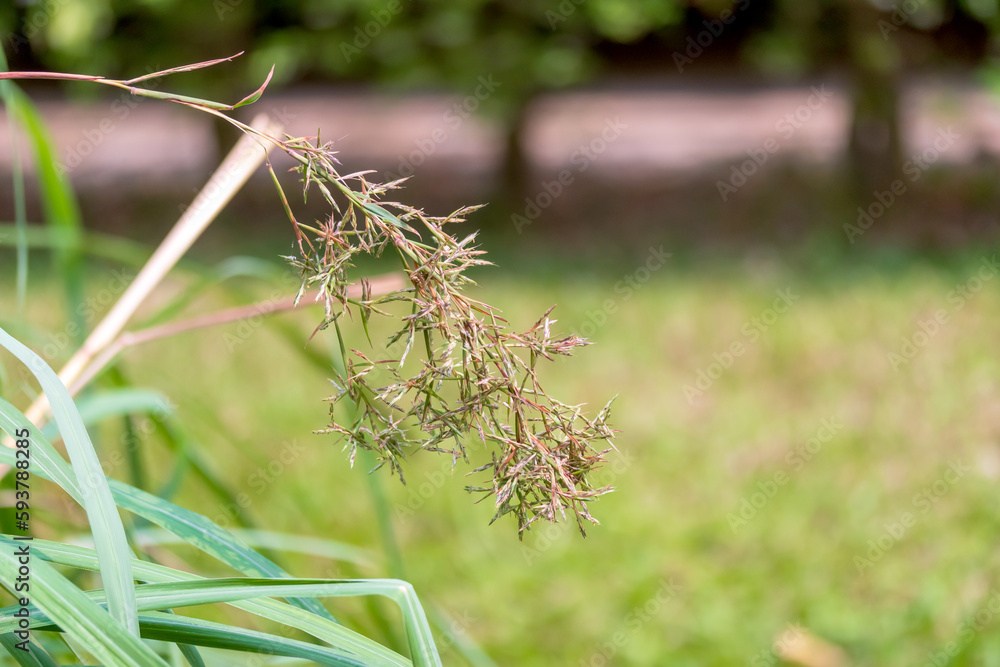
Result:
x=232 y=267
x=153 y=597
x=17 y=169
x=102 y=514
x=196 y=632
x=77 y=614
x=95 y=408
x=189 y=652
x=193 y=528
x=35 y=656
x=59 y=204
x=45 y=460
x=265 y=539
x=106 y=246
x=319 y=627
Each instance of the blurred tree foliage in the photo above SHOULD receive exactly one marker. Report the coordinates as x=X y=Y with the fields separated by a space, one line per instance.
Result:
x=529 y=45
x=526 y=46
x=875 y=43
x=523 y=45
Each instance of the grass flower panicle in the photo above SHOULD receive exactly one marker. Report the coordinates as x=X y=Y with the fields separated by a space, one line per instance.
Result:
x=477 y=377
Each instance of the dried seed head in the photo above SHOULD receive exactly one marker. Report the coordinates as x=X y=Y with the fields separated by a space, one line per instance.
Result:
x=476 y=379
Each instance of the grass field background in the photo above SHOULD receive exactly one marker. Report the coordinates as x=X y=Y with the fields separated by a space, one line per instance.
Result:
x=817 y=483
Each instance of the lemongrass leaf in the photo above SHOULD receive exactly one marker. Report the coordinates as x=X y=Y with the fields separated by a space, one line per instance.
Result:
x=254 y=96
x=76 y=613
x=102 y=513
x=319 y=627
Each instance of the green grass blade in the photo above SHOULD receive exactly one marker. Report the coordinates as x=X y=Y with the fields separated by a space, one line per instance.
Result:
x=123 y=403
x=380 y=502
x=203 y=533
x=187 y=454
x=264 y=539
x=255 y=95
x=319 y=627
x=20 y=214
x=45 y=460
x=110 y=403
x=154 y=597
x=418 y=631
x=102 y=514
x=95 y=408
x=105 y=246
x=77 y=614
x=390 y=546
x=379 y=212
x=193 y=631
x=189 y=652
x=134 y=453
x=465 y=645
x=58 y=202
x=232 y=267
x=196 y=632
x=35 y=656
x=193 y=528
x=184 y=99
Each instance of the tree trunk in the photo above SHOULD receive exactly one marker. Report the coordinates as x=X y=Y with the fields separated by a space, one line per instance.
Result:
x=514 y=178
x=875 y=148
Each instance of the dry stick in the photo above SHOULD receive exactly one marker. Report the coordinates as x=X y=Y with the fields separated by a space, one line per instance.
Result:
x=380 y=285
x=242 y=161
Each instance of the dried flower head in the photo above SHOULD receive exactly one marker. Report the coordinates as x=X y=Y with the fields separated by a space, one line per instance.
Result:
x=475 y=377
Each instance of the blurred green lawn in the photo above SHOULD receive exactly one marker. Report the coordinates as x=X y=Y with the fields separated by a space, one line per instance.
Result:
x=728 y=527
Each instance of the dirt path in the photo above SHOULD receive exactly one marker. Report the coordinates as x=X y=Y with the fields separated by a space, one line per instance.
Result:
x=627 y=133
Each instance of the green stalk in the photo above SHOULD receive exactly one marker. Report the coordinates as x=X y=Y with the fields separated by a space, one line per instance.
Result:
x=20 y=215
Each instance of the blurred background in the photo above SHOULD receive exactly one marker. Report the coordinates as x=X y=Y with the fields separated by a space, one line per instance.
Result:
x=775 y=219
